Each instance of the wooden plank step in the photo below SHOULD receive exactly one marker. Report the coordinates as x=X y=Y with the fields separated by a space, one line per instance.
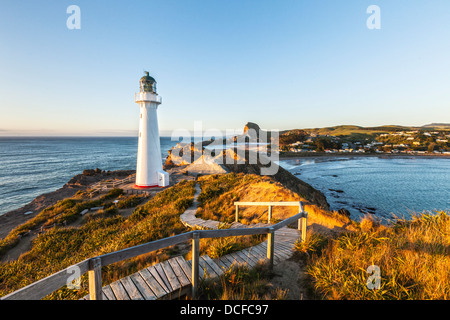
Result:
x=153 y=284
x=201 y=271
x=224 y=262
x=119 y=291
x=237 y=259
x=286 y=236
x=142 y=286
x=162 y=275
x=130 y=287
x=263 y=249
x=236 y=225
x=159 y=279
x=209 y=271
x=171 y=276
x=182 y=278
x=260 y=252
x=285 y=246
x=108 y=292
x=213 y=265
x=254 y=255
x=229 y=260
x=185 y=267
x=246 y=257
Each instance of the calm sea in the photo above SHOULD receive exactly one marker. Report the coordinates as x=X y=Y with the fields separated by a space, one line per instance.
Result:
x=30 y=167
x=383 y=186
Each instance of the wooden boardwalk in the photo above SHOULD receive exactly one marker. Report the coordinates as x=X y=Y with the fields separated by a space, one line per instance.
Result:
x=172 y=278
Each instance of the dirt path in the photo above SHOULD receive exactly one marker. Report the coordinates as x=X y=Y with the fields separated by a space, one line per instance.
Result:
x=290 y=275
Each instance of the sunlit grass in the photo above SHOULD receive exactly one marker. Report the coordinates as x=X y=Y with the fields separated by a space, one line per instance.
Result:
x=101 y=233
x=242 y=283
x=413 y=257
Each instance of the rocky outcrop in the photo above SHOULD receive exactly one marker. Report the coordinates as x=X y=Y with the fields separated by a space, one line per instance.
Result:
x=90 y=176
x=204 y=166
x=287 y=179
x=184 y=154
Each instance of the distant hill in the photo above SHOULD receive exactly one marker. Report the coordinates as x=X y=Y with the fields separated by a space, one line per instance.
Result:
x=437 y=125
x=346 y=130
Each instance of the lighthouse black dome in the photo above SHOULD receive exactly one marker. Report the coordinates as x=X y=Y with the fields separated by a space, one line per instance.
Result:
x=148 y=83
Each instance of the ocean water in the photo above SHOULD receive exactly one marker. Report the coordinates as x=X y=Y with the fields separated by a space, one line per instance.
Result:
x=382 y=186
x=32 y=166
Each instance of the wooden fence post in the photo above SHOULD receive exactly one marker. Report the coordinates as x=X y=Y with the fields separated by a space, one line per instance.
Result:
x=195 y=263
x=270 y=247
x=269 y=215
x=237 y=213
x=95 y=279
x=303 y=220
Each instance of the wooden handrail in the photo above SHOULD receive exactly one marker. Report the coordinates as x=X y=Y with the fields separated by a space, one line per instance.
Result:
x=45 y=286
x=39 y=289
x=269 y=204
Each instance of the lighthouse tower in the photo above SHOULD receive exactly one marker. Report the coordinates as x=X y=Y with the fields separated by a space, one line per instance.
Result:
x=149 y=171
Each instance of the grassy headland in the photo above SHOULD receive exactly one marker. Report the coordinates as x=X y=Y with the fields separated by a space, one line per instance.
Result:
x=96 y=234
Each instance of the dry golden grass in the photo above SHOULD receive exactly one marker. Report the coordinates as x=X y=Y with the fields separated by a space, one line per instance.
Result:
x=219 y=192
x=413 y=257
x=62 y=246
x=242 y=283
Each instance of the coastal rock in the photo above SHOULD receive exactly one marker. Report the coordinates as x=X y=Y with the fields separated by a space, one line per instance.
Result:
x=336 y=190
x=344 y=212
x=88 y=172
x=252 y=130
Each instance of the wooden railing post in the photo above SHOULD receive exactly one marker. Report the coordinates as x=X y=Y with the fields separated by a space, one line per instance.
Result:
x=195 y=263
x=269 y=214
x=302 y=225
x=270 y=247
x=237 y=213
x=95 y=279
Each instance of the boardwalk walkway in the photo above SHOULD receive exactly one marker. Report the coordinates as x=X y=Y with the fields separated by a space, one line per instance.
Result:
x=171 y=279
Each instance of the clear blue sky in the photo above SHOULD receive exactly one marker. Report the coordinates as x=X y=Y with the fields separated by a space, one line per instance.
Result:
x=282 y=64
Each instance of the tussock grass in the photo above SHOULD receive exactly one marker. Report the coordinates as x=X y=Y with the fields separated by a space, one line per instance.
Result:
x=60 y=247
x=413 y=257
x=242 y=283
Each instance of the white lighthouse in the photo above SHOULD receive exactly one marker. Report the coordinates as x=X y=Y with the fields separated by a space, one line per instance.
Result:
x=149 y=170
